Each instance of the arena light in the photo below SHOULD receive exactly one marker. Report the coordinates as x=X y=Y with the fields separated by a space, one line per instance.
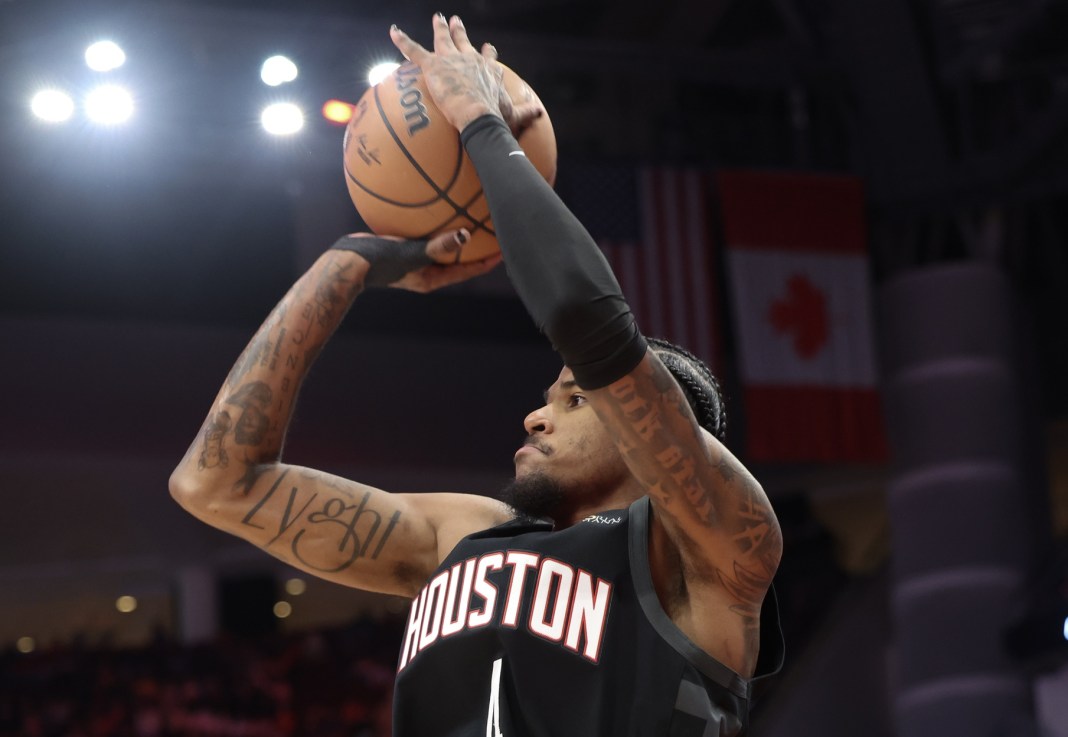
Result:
x=103 y=56
x=282 y=119
x=53 y=106
x=295 y=586
x=278 y=70
x=25 y=645
x=109 y=105
x=337 y=111
x=381 y=71
x=282 y=609
x=126 y=604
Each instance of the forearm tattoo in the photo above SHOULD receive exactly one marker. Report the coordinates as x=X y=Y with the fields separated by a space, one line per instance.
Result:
x=254 y=407
x=318 y=522
x=668 y=453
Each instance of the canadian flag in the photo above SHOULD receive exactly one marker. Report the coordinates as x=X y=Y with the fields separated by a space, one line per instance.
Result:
x=798 y=275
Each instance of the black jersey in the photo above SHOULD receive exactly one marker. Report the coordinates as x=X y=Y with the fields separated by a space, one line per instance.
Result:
x=528 y=632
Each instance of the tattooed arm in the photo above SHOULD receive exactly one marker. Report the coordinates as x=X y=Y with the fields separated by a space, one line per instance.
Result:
x=715 y=540
x=715 y=543
x=232 y=476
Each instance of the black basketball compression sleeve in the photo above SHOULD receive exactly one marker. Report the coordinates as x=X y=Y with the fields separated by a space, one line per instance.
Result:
x=557 y=269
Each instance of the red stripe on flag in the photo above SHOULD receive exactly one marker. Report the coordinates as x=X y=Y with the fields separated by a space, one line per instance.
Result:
x=808 y=423
x=805 y=212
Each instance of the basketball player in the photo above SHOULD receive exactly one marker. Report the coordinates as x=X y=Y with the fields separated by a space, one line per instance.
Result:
x=640 y=608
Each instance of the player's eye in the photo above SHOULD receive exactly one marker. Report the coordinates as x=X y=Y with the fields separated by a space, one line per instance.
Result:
x=576 y=400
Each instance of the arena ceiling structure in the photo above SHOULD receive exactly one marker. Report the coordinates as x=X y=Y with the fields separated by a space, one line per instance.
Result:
x=953 y=111
x=135 y=260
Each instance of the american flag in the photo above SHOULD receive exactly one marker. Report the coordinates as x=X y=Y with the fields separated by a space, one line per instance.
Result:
x=653 y=226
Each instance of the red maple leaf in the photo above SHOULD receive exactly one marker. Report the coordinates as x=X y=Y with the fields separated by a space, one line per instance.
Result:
x=802 y=313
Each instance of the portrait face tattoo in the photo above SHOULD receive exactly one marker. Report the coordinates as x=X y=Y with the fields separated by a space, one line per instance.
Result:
x=253 y=399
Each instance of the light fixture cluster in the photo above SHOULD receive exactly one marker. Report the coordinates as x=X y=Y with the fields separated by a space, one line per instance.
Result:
x=280 y=118
x=286 y=117
x=111 y=104
x=105 y=104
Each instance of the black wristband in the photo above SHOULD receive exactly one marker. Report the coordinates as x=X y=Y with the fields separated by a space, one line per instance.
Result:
x=556 y=267
x=390 y=260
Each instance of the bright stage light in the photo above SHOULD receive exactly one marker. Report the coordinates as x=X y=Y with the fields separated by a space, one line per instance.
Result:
x=282 y=119
x=381 y=71
x=54 y=106
x=278 y=70
x=103 y=56
x=109 y=105
x=337 y=111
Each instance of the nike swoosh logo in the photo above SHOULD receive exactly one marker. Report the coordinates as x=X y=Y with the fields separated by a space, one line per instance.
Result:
x=517 y=153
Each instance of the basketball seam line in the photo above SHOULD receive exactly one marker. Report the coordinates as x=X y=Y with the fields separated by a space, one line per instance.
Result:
x=458 y=209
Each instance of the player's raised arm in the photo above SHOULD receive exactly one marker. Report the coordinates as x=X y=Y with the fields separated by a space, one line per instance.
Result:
x=713 y=510
x=232 y=476
x=715 y=514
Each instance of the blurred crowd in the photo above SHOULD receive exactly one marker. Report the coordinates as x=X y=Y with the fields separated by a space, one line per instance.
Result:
x=318 y=684
x=324 y=683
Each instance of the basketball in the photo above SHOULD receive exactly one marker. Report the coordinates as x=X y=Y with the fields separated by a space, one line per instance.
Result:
x=407 y=172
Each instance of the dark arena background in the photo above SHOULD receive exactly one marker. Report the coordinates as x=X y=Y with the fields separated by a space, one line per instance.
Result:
x=857 y=211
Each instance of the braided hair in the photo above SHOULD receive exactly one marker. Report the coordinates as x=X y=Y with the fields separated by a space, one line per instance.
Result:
x=700 y=387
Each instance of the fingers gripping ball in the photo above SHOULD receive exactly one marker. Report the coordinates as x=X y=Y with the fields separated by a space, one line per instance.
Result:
x=408 y=173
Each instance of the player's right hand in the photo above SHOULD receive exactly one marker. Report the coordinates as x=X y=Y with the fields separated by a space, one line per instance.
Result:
x=464 y=83
x=445 y=250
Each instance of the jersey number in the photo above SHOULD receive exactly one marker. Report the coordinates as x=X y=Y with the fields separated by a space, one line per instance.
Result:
x=493 y=716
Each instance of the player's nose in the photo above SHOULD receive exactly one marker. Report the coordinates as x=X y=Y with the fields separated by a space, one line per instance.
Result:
x=539 y=421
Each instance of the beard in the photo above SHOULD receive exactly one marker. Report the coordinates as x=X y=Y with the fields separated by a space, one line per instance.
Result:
x=536 y=495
